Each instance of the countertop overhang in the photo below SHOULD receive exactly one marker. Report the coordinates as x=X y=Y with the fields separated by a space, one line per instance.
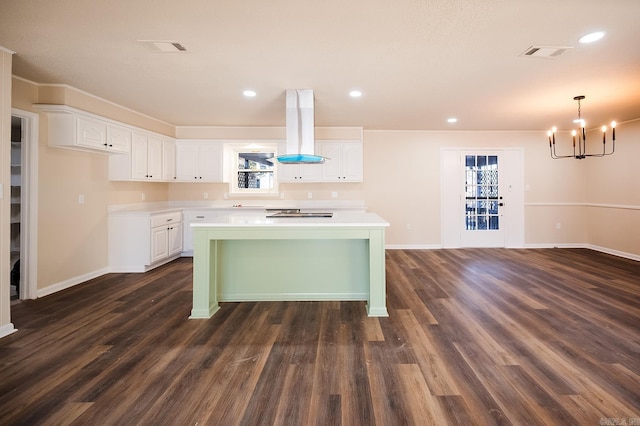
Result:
x=254 y=219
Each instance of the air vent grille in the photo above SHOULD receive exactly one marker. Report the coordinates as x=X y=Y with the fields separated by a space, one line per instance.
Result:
x=549 y=52
x=164 y=45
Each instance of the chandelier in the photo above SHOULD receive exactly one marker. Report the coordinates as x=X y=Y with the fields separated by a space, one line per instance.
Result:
x=581 y=135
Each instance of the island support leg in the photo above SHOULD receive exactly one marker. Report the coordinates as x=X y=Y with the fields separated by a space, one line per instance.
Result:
x=377 y=303
x=205 y=275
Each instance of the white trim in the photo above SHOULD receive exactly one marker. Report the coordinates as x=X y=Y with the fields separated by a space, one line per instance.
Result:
x=413 y=247
x=613 y=206
x=614 y=252
x=7 y=329
x=597 y=205
x=9 y=51
x=525 y=246
x=585 y=246
x=63 y=285
x=554 y=204
x=554 y=245
x=142 y=268
x=29 y=206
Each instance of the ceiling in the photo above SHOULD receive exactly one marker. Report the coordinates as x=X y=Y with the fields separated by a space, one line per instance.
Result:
x=417 y=62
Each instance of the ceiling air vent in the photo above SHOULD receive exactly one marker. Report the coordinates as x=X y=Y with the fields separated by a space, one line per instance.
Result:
x=164 y=45
x=548 y=52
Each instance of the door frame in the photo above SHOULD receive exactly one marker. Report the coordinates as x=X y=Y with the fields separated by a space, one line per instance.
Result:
x=451 y=176
x=29 y=204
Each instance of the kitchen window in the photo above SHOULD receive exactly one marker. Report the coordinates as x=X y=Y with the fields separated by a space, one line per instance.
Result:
x=254 y=171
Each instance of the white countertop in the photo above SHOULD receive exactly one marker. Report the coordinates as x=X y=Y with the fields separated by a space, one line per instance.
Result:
x=253 y=219
x=251 y=206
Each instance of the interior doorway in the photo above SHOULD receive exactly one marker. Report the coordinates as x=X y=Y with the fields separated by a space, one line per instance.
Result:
x=24 y=184
x=482 y=198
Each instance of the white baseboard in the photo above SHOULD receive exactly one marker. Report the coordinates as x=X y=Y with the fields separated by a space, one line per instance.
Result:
x=614 y=252
x=71 y=282
x=7 y=329
x=141 y=268
x=556 y=245
x=526 y=246
x=413 y=246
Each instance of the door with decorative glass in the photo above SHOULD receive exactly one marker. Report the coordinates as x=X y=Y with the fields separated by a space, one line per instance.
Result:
x=483 y=202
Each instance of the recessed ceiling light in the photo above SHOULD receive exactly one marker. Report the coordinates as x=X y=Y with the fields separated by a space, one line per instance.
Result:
x=452 y=120
x=249 y=93
x=355 y=93
x=590 y=38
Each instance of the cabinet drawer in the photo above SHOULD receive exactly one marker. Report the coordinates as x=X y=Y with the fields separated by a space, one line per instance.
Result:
x=166 y=219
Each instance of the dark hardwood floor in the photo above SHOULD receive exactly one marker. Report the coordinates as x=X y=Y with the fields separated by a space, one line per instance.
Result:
x=474 y=337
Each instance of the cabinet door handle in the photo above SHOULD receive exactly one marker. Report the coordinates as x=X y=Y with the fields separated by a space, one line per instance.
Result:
x=169 y=220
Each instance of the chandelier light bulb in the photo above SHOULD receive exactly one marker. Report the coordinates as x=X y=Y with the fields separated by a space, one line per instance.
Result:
x=613 y=124
x=573 y=133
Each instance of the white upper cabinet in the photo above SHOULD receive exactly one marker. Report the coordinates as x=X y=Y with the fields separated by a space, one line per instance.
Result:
x=146 y=157
x=90 y=133
x=146 y=161
x=76 y=129
x=199 y=161
x=344 y=163
x=297 y=172
x=118 y=138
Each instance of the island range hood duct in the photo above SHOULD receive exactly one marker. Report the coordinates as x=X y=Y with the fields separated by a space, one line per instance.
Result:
x=300 y=129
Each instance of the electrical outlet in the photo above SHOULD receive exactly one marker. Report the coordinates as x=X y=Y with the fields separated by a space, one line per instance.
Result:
x=206 y=195
x=334 y=195
x=81 y=199
x=558 y=225
x=142 y=196
x=310 y=195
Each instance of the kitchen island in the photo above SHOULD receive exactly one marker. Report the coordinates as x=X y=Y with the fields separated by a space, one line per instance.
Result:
x=252 y=257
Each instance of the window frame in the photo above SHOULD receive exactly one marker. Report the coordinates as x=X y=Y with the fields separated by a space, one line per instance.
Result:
x=254 y=147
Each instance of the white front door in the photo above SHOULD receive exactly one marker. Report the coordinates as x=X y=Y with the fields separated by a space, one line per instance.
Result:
x=482 y=198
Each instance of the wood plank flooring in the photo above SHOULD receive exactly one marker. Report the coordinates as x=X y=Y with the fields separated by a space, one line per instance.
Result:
x=474 y=337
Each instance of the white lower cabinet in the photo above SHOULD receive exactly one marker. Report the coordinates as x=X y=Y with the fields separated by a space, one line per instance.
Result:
x=193 y=216
x=139 y=242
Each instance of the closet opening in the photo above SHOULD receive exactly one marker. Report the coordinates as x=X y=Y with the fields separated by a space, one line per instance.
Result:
x=23 y=218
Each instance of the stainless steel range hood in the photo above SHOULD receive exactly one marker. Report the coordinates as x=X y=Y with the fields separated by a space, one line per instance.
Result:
x=300 y=129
